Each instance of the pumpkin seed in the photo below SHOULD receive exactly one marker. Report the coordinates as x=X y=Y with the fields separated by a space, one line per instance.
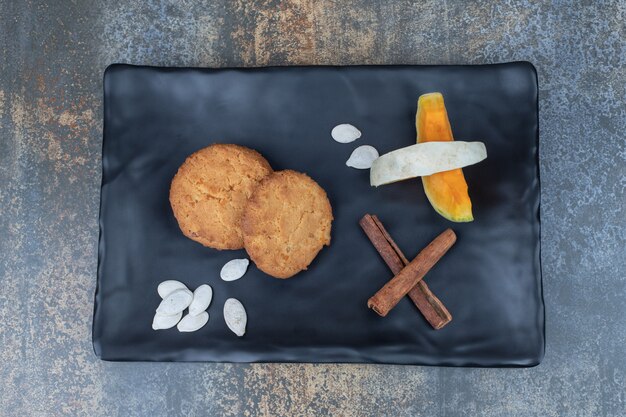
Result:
x=235 y=316
x=345 y=133
x=161 y=322
x=202 y=297
x=191 y=323
x=167 y=287
x=362 y=157
x=235 y=269
x=175 y=302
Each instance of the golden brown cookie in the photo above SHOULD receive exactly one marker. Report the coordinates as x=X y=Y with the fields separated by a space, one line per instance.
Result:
x=286 y=223
x=210 y=190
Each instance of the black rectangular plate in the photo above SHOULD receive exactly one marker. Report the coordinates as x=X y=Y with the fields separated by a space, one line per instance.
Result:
x=490 y=280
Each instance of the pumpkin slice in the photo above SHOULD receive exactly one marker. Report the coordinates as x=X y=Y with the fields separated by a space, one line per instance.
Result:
x=446 y=191
x=425 y=159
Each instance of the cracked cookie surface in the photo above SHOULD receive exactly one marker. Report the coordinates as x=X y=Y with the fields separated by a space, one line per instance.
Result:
x=210 y=190
x=286 y=222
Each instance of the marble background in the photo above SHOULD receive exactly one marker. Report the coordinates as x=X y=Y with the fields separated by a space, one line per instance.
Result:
x=52 y=57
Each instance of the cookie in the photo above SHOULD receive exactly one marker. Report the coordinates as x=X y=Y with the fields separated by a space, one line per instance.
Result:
x=286 y=223
x=210 y=190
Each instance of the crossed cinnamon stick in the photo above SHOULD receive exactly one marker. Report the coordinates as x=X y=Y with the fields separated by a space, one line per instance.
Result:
x=408 y=275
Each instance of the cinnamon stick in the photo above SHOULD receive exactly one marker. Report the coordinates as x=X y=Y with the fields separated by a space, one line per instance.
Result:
x=388 y=296
x=433 y=310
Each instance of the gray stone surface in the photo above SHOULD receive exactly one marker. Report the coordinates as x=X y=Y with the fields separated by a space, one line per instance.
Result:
x=52 y=56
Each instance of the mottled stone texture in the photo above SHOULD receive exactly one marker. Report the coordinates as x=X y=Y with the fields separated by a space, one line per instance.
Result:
x=52 y=57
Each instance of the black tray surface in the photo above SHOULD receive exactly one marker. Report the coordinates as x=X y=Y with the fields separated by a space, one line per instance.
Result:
x=490 y=280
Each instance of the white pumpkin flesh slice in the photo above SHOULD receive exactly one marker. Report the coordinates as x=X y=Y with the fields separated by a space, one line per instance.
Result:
x=425 y=159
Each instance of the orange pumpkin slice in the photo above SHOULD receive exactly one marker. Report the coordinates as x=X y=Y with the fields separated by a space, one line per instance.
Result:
x=446 y=191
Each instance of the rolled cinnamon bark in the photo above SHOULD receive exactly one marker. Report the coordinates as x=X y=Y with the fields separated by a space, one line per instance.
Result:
x=433 y=310
x=388 y=296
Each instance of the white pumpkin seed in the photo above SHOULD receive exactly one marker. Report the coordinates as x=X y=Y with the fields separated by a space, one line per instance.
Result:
x=191 y=323
x=362 y=157
x=167 y=287
x=345 y=133
x=175 y=302
x=202 y=297
x=235 y=269
x=161 y=322
x=235 y=316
